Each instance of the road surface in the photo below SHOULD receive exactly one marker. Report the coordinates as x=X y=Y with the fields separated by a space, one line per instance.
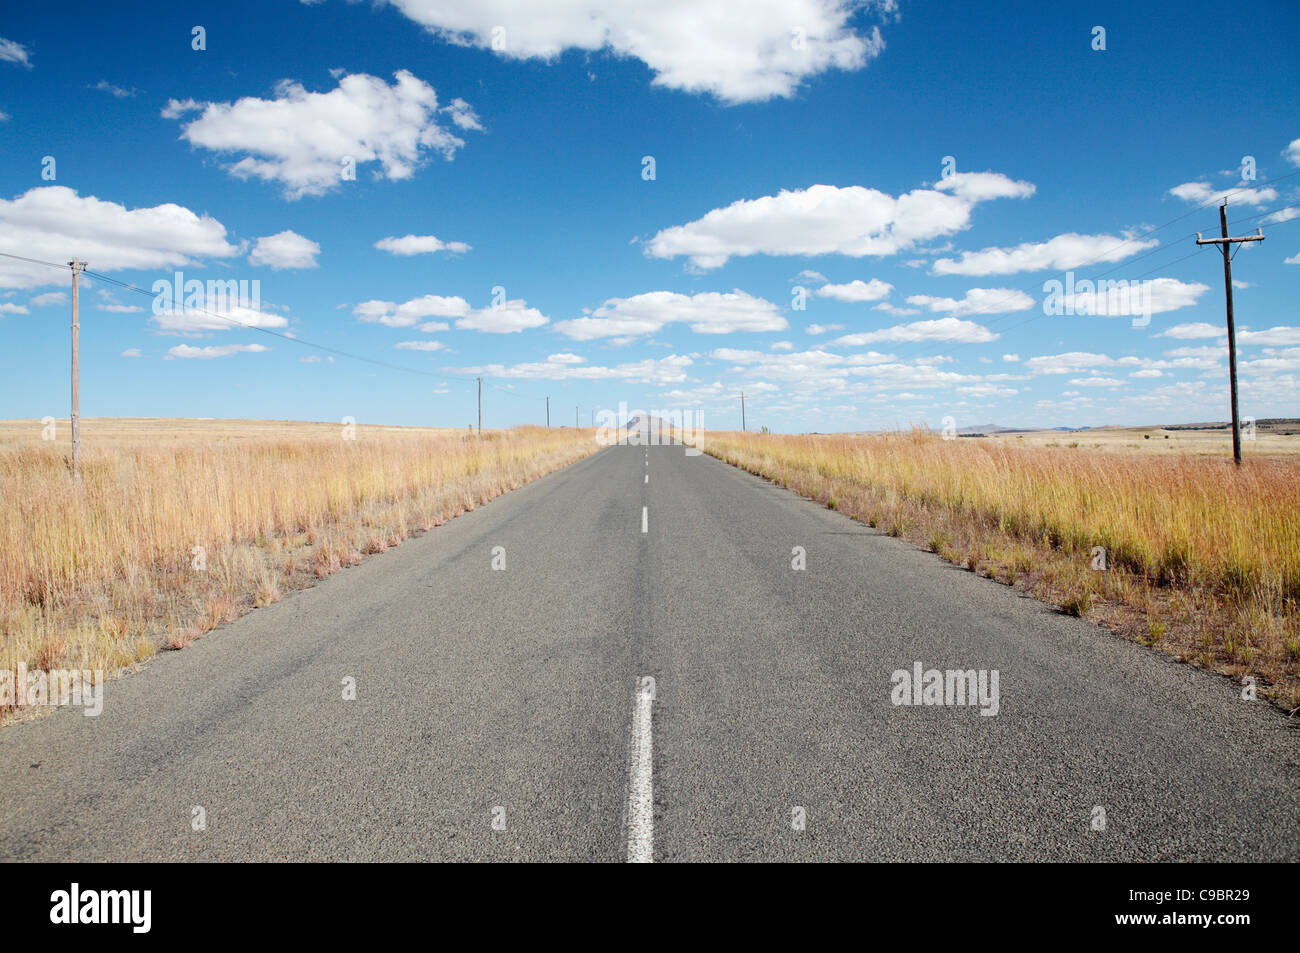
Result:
x=505 y=714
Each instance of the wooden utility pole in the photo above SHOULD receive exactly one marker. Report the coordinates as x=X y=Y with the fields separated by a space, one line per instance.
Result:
x=742 y=410
x=1225 y=245
x=77 y=266
x=548 y=412
x=480 y=406
x=575 y=418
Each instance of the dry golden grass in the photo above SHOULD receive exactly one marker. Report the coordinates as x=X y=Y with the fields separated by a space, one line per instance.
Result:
x=1203 y=559
x=101 y=576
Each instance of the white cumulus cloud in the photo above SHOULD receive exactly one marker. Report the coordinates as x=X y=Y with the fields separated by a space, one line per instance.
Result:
x=410 y=312
x=1097 y=382
x=304 y=140
x=419 y=245
x=1155 y=296
x=976 y=301
x=505 y=318
x=14 y=52
x=895 y=310
x=1193 y=330
x=856 y=290
x=286 y=249
x=708 y=312
x=1273 y=337
x=216 y=316
x=764 y=49
x=557 y=367
x=216 y=350
x=1202 y=193
x=1069 y=363
x=54 y=223
x=820 y=220
x=982 y=186
x=943 y=329
x=1070 y=250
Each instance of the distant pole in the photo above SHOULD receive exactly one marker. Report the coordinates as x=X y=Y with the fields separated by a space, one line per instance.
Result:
x=742 y=410
x=77 y=266
x=1225 y=245
x=548 y=412
x=575 y=418
x=480 y=406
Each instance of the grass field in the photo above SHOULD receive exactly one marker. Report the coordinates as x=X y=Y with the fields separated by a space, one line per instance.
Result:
x=1200 y=558
x=182 y=525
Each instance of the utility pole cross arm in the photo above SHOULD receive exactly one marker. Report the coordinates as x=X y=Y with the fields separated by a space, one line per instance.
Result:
x=1225 y=240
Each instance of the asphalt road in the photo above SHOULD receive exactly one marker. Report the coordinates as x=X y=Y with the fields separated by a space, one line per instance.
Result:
x=499 y=713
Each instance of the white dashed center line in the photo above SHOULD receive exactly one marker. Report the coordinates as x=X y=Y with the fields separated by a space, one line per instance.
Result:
x=645 y=519
x=640 y=792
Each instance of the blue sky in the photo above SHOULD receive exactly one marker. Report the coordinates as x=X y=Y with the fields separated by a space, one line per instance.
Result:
x=796 y=144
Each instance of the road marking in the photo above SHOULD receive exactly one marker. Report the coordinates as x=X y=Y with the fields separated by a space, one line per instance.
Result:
x=647 y=478
x=645 y=518
x=640 y=792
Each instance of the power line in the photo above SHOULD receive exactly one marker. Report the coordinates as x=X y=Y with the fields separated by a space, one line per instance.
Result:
x=1162 y=267
x=927 y=349
x=34 y=261
x=322 y=347
x=1272 y=211
x=286 y=337
x=1103 y=256
x=916 y=354
x=389 y=365
x=1277 y=225
x=1176 y=261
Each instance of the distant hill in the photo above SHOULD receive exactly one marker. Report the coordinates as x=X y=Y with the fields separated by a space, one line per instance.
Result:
x=986 y=429
x=644 y=422
x=648 y=425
